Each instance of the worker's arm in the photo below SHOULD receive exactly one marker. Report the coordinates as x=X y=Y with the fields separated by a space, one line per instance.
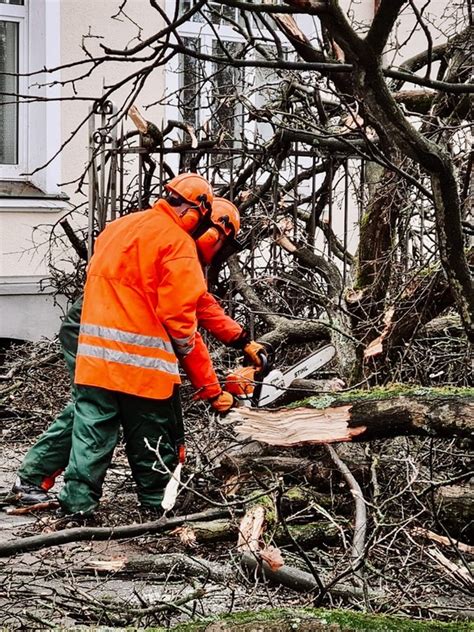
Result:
x=181 y=286
x=213 y=319
x=197 y=365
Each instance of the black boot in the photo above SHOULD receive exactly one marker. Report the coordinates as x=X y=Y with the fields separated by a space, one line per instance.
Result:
x=77 y=519
x=150 y=513
x=29 y=494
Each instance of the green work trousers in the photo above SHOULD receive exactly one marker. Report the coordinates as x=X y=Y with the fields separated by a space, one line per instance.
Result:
x=92 y=419
x=50 y=454
x=152 y=432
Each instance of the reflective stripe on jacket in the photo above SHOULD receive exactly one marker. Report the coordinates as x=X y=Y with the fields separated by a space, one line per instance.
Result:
x=143 y=286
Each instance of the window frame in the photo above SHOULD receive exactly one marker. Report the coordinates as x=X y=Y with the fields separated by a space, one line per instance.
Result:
x=19 y=15
x=205 y=34
x=40 y=117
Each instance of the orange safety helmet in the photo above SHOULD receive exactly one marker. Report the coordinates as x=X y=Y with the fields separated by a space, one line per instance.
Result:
x=197 y=192
x=225 y=219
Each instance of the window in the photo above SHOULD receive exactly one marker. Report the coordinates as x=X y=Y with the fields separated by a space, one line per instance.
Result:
x=29 y=128
x=191 y=76
x=227 y=83
x=12 y=59
x=211 y=94
x=8 y=87
x=209 y=91
x=217 y=13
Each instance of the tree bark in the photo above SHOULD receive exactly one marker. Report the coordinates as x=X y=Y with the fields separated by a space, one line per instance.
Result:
x=81 y=534
x=455 y=508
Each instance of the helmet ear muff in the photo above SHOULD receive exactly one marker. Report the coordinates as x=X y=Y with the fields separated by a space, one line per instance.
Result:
x=190 y=219
x=209 y=243
x=205 y=205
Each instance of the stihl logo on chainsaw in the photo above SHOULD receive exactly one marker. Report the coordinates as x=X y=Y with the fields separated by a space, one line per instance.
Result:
x=300 y=372
x=245 y=382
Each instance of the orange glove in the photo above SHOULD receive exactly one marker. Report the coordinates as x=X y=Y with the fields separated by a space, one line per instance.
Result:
x=253 y=350
x=222 y=403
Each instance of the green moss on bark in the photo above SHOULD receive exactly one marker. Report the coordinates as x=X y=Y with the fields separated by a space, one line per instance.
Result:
x=315 y=620
x=383 y=393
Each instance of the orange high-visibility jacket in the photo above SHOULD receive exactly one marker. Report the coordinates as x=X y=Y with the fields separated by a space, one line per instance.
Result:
x=144 y=295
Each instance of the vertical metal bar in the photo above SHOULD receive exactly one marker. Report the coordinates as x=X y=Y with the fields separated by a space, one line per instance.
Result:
x=252 y=248
x=91 y=210
x=312 y=215
x=295 y=193
x=346 y=220
x=409 y=236
x=102 y=202
x=140 y=174
x=161 y=160
x=113 y=181
x=330 y=202
x=231 y=176
x=422 y=233
x=273 y=249
x=121 y=166
x=361 y=189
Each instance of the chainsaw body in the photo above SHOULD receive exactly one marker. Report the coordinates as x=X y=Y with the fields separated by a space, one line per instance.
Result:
x=260 y=387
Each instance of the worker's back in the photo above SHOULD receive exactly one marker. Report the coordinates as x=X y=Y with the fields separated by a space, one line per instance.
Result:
x=142 y=284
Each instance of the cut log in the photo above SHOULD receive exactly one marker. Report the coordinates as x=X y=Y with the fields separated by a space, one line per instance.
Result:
x=318 y=472
x=362 y=416
x=297 y=579
x=309 y=534
x=455 y=505
x=171 y=565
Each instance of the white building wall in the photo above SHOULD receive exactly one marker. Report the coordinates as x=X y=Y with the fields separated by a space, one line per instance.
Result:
x=56 y=28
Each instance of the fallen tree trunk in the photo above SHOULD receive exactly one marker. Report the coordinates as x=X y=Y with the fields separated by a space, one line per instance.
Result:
x=171 y=565
x=297 y=579
x=310 y=533
x=362 y=416
x=175 y=565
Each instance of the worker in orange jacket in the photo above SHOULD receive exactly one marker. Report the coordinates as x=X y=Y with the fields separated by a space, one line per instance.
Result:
x=144 y=297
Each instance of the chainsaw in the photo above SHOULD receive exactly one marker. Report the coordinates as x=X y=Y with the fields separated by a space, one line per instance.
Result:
x=260 y=387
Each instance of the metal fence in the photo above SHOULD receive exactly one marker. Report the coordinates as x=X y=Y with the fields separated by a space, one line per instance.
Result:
x=125 y=176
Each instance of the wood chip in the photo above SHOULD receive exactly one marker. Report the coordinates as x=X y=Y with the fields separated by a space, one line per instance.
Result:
x=251 y=529
x=273 y=557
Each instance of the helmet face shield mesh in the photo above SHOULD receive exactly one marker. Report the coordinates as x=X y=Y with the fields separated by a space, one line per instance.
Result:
x=230 y=247
x=218 y=243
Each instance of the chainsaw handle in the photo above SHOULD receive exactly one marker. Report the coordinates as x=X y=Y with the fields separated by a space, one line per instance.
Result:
x=263 y=370
x=260 y=374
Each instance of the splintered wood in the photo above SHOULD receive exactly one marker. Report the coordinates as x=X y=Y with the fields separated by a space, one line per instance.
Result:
x=251 y=529
x=140 y=123
x=290 y=427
